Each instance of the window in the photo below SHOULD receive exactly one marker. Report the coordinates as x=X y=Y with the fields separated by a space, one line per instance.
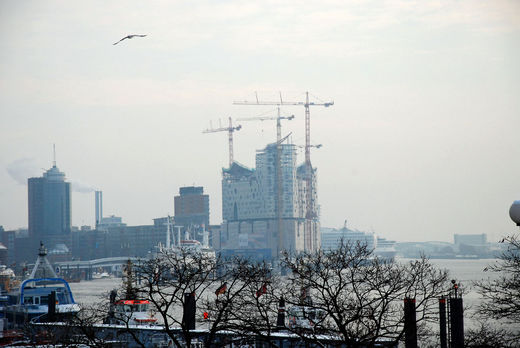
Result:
x=60 y=297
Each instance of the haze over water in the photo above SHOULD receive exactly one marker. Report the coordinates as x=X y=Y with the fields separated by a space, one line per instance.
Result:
x=464 y=271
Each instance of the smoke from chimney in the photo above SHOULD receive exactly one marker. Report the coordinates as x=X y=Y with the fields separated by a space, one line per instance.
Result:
x=80 y=187
x=24 y=168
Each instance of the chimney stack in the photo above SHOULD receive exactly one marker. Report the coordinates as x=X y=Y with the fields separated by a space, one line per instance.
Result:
x=99 y=207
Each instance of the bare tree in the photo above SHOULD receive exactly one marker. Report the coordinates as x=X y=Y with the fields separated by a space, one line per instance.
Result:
x=169 y=278
x=488 y=335
x=249 y=307
x=361 y=295
x=219 y=287
x=222 y=290
x=78 y=330
x=344 y=295
x=502 y=294
x=501 y=297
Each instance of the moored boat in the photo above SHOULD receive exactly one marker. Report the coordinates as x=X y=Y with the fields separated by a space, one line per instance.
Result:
x=131 y=312
x=40 y=299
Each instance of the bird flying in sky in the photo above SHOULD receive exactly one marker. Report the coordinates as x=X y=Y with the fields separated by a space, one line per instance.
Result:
x=129 y=37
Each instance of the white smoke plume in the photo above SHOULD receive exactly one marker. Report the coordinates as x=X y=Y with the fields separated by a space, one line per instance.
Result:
x=81 y=187
x=24 y=168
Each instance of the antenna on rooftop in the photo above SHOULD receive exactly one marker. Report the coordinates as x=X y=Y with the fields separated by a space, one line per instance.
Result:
x=54 y=155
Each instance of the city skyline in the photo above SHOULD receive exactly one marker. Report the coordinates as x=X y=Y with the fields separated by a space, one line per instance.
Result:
x=421 y=142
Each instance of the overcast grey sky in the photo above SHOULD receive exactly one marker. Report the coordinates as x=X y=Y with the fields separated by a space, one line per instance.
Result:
x=422 y=141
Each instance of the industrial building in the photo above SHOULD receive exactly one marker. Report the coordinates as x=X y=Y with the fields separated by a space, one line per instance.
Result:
x=478 y=240
x=258 y=203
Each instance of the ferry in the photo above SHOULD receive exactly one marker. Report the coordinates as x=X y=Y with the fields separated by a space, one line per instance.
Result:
x=40 y=299
x=130 y=309
x=304 y=317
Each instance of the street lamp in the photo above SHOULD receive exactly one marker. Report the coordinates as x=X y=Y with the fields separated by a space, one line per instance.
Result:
x=514 y=212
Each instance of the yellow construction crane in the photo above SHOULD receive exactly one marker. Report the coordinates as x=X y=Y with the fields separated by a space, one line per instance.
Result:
x=230 y=129
x=310 y=237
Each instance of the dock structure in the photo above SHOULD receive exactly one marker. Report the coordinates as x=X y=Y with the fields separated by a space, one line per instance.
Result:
x=156 y=336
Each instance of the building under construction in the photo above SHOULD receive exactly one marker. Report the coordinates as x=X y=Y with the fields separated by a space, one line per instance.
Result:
x=264 y=210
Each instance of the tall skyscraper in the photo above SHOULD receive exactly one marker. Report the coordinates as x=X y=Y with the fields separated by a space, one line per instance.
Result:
x=192 y=210
x=49 y=209
x=264 y=208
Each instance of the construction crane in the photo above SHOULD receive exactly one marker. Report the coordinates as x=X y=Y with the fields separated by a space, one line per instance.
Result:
x=310 y=236
x=279 y=187
x=230 y=129
x=317 y=146
x=278 y=118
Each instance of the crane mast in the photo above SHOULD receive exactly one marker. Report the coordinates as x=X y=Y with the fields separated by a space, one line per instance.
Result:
x=310 y=235
x=230 y=129
x=278 y=119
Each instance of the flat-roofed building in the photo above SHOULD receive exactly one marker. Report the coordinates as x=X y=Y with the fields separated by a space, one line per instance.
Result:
x=191 y=208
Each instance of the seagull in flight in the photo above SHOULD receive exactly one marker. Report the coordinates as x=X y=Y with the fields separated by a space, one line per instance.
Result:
x=129 y=37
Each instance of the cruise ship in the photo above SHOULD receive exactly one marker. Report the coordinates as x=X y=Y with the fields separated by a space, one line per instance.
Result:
x=381 y=247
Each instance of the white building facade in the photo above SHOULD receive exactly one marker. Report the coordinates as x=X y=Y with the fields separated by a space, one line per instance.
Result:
x=250 y=199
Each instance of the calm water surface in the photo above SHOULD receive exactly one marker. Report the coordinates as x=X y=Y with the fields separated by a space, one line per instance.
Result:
x=464 y=271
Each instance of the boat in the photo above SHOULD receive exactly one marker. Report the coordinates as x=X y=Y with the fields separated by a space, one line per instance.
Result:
x=40 y=299
x=196 y=247
x=7 y=279
x=385 y=249
x=129 y=310
x=100 y=275
x=378 y=247
x=187 y=245
x=304 y=317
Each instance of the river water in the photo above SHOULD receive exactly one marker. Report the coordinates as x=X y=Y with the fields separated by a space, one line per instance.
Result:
x=466 y=272
x=463 y=271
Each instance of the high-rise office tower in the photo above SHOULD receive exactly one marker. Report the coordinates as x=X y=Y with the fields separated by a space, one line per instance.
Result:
x=49 y=208
x=192 y=210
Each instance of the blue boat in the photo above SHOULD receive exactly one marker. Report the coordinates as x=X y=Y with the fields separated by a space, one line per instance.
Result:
x=33 y=301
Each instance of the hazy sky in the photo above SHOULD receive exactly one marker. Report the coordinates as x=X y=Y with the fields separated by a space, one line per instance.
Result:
x=422 y=142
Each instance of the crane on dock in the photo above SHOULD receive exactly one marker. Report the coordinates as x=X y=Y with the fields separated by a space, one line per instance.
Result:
x=310 y=236
x=230 y=129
